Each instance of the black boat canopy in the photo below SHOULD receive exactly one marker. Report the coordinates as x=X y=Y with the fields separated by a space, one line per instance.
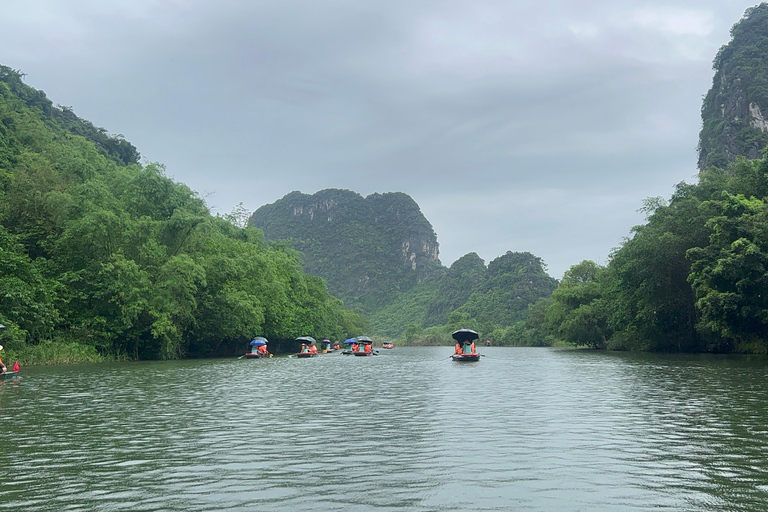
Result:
x=308 y=339
x=364 y=339
x=463 y=335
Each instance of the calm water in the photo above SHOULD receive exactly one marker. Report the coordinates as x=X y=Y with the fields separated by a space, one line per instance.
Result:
x=407 y=430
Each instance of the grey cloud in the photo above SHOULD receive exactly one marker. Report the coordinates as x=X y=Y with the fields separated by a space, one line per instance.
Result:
x=595 y=102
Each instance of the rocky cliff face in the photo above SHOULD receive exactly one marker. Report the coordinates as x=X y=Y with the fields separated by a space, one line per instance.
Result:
x=735 y=110
x=366 y=249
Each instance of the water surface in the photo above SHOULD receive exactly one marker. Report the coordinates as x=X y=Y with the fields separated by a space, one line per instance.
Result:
x=407 y=430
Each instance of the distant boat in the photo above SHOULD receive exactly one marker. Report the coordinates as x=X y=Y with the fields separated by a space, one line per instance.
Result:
x=309 y=348
x=257 y=352
x=462 y=336
x=387 y=344
x=348 y=349
x=364 y=347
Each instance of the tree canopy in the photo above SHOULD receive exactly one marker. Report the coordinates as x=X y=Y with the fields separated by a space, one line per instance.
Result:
x=98 y=249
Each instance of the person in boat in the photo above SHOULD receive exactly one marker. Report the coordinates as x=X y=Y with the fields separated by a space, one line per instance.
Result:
x=313 y=349
x=458 y=350
x=468 y=348
x=304 y=348
x=354 y=347
x=2 y=366
x=262 y=350
x=368 y=348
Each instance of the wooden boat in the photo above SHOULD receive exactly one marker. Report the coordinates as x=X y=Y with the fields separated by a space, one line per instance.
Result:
x=252 y=355
x=387 y=344
x=465 y=357
x=465 y=336
x=307 y=342
x=256 y=345
x=364 y=346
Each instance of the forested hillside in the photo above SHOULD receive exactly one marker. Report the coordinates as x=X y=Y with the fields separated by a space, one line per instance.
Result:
x=735 y=110
x=381 y=254
x=113 y=258
x=367 y=249
x=692 y=279
x=492 y=299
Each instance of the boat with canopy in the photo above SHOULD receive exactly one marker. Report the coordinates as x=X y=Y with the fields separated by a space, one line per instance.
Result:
x=466 y=339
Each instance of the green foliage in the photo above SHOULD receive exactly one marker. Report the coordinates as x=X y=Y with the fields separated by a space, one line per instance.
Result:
x=730 y=274
x=692 y=279
x=369 y=250
x=513 y=282
x=103 y=258
x=469 y=295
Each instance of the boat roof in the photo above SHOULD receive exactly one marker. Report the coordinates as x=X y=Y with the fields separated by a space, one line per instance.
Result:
x=465 y=335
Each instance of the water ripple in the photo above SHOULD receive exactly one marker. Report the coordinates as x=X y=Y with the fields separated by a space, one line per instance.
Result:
x=523 y=429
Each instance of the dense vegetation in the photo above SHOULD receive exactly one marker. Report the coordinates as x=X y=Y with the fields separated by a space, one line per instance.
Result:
x=367 y=249
x=380 y=254
x=692 y=279
x=492 y=299
x=111 y=258
x=735 y=109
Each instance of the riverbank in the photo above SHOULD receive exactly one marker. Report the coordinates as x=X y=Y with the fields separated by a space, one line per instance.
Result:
x=53 y=353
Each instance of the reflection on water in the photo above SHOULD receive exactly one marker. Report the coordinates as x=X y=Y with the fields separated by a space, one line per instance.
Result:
x=407 y=430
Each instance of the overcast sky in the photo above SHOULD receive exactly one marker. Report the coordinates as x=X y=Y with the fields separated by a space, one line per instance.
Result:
x=534 y=126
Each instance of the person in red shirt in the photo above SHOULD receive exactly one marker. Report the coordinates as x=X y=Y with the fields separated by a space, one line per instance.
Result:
x=368 y=348
x=313 y=349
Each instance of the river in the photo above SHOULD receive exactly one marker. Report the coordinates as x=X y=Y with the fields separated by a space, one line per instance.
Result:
x=524 y=429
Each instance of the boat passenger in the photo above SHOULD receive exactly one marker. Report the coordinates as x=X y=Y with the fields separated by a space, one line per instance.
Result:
x=469 y=348
x=2 y=366
x=368 y=348
x=312 y=349
x=263 y=350
x=304 y=348
x=354 y=347
x=458 y=350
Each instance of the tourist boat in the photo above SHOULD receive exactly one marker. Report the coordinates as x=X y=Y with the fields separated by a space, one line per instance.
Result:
x=255 y=344
x=461 y=336
x=252 y=355
x=348 y=349
x=326 y=347
x=364 y=347
x=387 y=344
x=310 y=343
